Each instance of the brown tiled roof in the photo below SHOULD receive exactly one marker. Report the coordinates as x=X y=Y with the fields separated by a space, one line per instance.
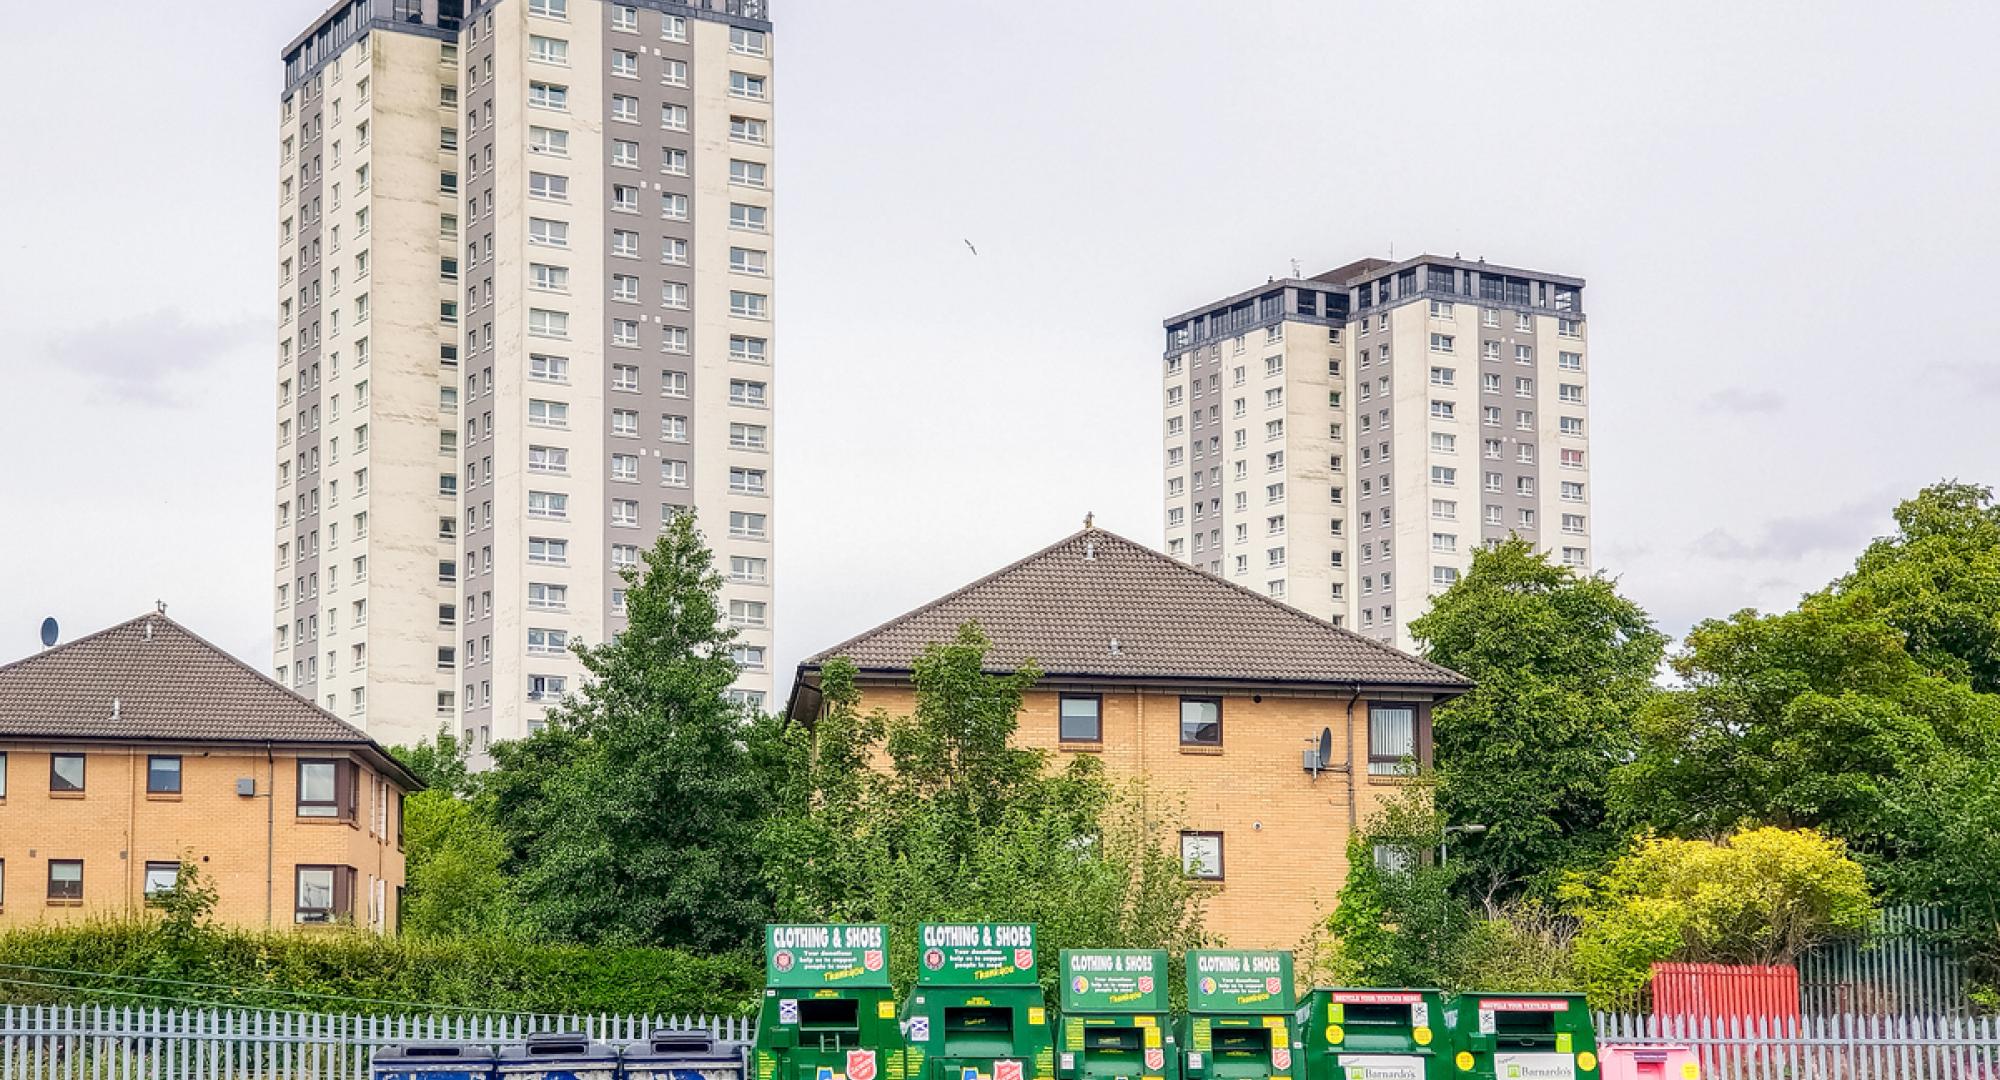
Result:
x=1063 y=606
x=152 y=679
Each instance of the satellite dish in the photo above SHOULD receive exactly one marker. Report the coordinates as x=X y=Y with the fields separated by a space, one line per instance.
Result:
x=48 y=632
x=1325 y=746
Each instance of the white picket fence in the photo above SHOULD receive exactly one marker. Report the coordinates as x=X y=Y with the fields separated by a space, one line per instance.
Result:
x=91 y=1042
x=1924 y=1047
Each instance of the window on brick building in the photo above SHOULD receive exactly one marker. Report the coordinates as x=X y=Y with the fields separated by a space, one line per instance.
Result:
x=1201 y=855
x=1201 y=721
x=1082 y=718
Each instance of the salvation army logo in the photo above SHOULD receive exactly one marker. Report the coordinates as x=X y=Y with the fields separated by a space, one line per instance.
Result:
x=1208 y=984
x=861 y=1065
x=1281 y=1057
x=1146 y=987
x=872 y=960
x=1024 y=958
x=1156 y=1058
x=1271 y=985
x=1006 y=1070
x=782 y=961
x=934 y=958
x=1081 y=985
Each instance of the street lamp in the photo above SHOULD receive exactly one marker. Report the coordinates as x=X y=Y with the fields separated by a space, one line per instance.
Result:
x=1450 y=830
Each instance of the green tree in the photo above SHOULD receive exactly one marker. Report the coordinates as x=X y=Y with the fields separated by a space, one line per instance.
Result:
x=455 y=856
x=184 y=929
x=1763 y=896
x=1807 y=719
x=1937 y=581
x=633 y=816
x=1400 y=921
x=439 y=763
x=937 y=816
x=1560 y=662
x=1948 y=851
x=1403 y=919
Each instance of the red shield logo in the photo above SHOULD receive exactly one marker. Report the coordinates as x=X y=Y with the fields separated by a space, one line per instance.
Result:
x=1281 y=1057
x=861 y=1065
x=1156 y=1058
x=1006 y=1070
x=1271 y=985
x=872 y=960
x=782 y=961
x=1023 y=959
x=1146 y=987
x=934 y=959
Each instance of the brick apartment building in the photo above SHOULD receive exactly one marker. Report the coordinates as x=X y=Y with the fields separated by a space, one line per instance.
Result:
x=1211 y=692
x=128 y=751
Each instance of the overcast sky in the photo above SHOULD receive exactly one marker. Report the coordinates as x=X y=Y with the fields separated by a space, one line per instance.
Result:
x=1786 y=213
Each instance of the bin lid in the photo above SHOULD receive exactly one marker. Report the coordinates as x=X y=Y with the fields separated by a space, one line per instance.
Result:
x=547 y=1046
x=442 y=1055
x=690 y=1047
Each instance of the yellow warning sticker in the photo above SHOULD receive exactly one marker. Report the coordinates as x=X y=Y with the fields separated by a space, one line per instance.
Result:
x=1152 y=1036
x=885 y=1010
x=1422 y=1036
x=1037 y=1015
x=1142 y=1021
x=1464 y=1061
x=1336 y=1013
x=1564 y=1041
x=1690 y=1071
x=1334 y=1034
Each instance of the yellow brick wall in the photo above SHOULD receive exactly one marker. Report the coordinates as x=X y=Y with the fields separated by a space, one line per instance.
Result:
x=248 y=848
x=1284 y=831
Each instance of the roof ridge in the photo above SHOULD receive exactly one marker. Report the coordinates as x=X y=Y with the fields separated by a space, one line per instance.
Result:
x=1301 y=613
x=268 y=680
x=92 y=636
x=1185 y=570
x=225 y=654
x=835 y=650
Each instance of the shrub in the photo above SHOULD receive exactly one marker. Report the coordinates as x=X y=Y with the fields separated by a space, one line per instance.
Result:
x=351 y=970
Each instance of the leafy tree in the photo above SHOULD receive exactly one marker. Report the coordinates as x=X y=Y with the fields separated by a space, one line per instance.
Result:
x=1560 y=662
x=184 y=929
x=1763 y=896
x=1403 y=921
x=633 y=816
x=455 y=855
x=938 y=816
x=1937 y=581
x=439 y=763
x=1400 y=921
x=1949 y=817
x=1808 y=719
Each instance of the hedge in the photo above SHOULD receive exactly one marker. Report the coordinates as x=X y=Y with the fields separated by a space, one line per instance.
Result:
x=344 y=970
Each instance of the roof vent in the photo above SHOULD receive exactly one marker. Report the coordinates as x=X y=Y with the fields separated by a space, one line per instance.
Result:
x=1116 y=648
x=149 y=629
x=116 y=707
x=1090 y=551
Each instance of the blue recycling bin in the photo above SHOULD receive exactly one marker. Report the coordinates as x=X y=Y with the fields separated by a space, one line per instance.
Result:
x=558 y=1056
x=675 y=1054
x=433 y=1061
